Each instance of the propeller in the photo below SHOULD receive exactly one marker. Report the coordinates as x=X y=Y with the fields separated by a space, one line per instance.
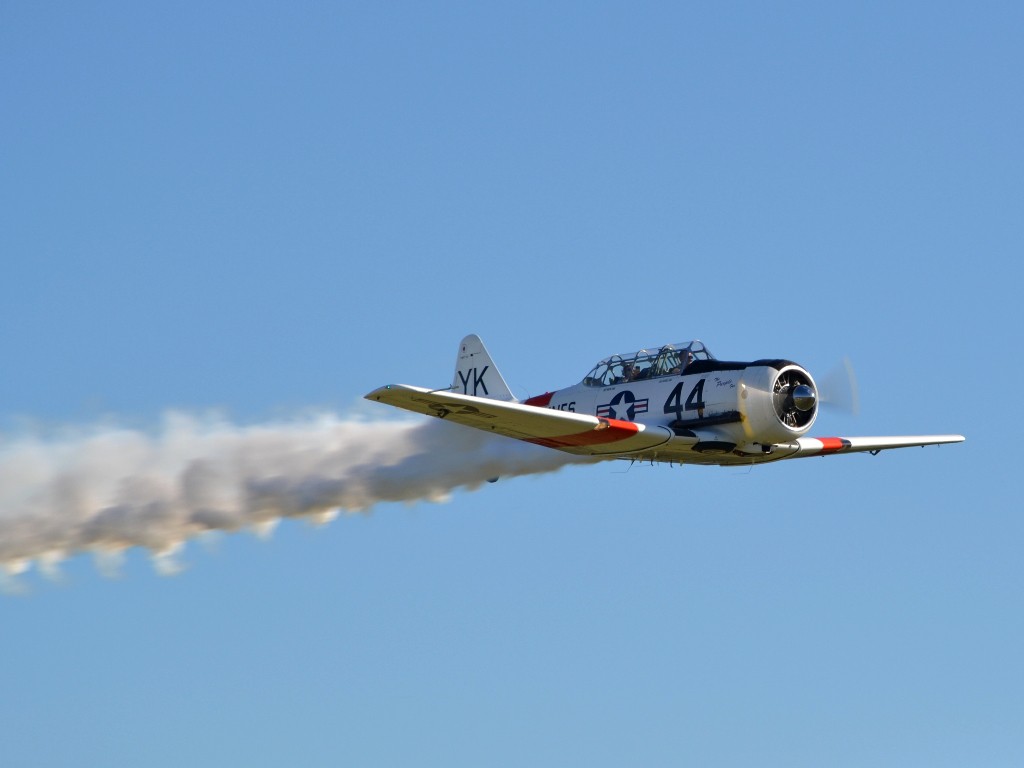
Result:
x=838 y=388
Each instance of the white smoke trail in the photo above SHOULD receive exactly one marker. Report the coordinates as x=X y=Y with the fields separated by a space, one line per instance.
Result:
x=108 y=489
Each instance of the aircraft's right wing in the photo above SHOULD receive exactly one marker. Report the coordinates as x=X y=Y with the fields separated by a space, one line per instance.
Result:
x=565 y=431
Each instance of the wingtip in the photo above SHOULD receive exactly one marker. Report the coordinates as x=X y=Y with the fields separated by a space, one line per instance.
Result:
x=377 y=393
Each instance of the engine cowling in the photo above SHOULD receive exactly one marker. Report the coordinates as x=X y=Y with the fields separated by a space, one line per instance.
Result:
x=778 y=401
x=746 y=407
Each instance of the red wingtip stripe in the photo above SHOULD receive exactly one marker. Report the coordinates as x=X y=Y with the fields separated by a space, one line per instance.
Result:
x=832 y=444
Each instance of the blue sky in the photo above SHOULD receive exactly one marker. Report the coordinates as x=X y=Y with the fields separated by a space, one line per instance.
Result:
x=260 y=210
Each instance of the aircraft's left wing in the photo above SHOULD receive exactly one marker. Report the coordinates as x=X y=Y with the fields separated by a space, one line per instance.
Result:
x=825 y=446
x=571 y=432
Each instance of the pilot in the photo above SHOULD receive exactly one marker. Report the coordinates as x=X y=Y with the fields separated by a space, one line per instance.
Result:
x=628 y=372
x=684 y=360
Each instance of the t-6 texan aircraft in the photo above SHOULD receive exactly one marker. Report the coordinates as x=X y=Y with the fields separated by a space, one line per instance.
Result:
x=675 y=404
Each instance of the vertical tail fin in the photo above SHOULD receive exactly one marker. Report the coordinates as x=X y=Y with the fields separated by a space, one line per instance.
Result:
x=476 y=374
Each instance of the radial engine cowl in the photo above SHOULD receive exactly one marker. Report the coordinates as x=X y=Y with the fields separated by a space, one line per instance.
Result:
x=778 y=403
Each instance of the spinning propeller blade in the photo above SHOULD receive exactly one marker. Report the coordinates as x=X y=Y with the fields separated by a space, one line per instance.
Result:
x=838 y=388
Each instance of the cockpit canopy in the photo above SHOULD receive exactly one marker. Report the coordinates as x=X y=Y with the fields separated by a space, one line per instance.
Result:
x=669 y=360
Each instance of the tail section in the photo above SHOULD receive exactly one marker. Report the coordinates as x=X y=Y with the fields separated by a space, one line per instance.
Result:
x=476 y=374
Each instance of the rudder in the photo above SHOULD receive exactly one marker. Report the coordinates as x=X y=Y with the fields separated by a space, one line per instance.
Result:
x=476 y=374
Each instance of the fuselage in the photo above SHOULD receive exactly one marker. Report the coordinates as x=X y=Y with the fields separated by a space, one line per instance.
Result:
x=712 y=407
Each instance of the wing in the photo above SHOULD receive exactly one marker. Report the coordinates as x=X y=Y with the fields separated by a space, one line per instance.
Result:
x=585 y=435
x=564 y=431
x=825 y=446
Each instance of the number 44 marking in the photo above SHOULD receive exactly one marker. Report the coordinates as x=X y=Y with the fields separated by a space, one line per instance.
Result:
x=694 y=401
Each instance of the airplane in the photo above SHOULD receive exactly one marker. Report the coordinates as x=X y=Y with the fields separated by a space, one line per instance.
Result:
x=676 y=404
